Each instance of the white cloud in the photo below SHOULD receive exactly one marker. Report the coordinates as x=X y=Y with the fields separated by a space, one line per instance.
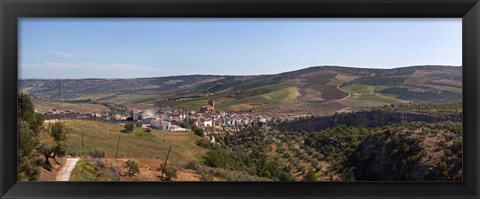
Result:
x=66 y=54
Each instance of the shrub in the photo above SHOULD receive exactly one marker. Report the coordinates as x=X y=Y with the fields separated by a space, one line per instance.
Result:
x=456 y=146
x=133 y=167
x=442 y=166
x=310 y=177
x=198 y=131
x=95 y=153
x=441 y=144
x=203 y=143
x=206 y=177
x=447 y=153
x=348 y=175
x=128 y=128
x=193 y=165
x=169 y=172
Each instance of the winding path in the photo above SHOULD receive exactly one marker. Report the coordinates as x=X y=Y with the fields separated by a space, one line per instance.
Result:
x=66 y=171
x=349 y=94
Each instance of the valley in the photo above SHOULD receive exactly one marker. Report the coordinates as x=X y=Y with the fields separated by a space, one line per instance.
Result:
x=325 y=123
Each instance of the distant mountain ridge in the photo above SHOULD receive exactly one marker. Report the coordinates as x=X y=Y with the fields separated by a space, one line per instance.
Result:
x=312 y=88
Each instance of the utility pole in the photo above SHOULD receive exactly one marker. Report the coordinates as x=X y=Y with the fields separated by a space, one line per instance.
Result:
x=165 y=163
x=188 y=119
x=118 y=144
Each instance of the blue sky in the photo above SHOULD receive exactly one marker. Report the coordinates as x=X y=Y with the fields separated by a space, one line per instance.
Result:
x=127 y=48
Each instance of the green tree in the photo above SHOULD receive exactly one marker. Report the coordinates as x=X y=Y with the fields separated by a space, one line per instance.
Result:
x=348 y=175
x=30 y=124
x=442 y=166
x=128 y=128
x=197 y=130
x=28 y=158
x=59 y=134
x=26 y=112
x=310 y=176
x=456 y=146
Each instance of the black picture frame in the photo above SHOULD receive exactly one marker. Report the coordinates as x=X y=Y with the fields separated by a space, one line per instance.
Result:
x=11 y=10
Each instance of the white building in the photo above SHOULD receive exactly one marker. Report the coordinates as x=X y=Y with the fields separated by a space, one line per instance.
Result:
x=165 y=117
x=160 y=124
x=178 y=128
x=148 y=120
x=207 y=123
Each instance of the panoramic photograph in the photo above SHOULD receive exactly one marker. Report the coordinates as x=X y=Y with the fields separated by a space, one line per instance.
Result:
x=217 y=99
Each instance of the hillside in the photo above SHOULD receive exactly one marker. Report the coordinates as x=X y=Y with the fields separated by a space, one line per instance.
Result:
x=414 y=142
x=104 y=137
x=414 y=152
x=315 y=90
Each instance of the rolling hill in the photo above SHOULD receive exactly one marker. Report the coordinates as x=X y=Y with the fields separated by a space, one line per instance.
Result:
x=316 y=90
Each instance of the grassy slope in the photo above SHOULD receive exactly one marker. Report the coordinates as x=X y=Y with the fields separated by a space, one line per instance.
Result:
x=134 y=98
x=225 y=103
x=104 y=136
x=193 y=104
x=369 y=93
x=80 y=107
x=94 y=96
x=87 y=170
x=282 y=96
x=363 y=89
x=272 y=87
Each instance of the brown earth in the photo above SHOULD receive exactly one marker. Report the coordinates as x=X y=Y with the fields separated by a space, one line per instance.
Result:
x=46 y=175
x=311 y=95
x=149 y=170
x=334 y=93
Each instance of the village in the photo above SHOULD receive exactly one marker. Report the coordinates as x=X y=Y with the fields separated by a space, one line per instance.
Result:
x=210 y=120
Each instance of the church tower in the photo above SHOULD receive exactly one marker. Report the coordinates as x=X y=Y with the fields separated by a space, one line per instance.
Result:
x=211 y=102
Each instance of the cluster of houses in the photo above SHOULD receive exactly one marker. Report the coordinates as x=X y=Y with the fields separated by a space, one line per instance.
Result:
x=56 y=114
x=207 y=118
x=169 y=121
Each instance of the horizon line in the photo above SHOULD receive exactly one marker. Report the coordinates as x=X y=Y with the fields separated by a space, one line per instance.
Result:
x=145 y=77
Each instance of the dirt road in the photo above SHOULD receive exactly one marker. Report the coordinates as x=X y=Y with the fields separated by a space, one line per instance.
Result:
x=349 y=94
x=66 y=171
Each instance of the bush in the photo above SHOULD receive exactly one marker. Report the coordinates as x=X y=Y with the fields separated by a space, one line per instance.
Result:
x=441 y=144
x=442 y=166
x=95 y=153
x=169 y=172
x=456 y=146
x=218 y=158
x=148 y=130
x=206 y=177
x=203 y=143
x=348 y=175
x=193 y=165
x=128 y=128
x=133 y=167
x=198 y=131
x=447 y=153
x=310 y=177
